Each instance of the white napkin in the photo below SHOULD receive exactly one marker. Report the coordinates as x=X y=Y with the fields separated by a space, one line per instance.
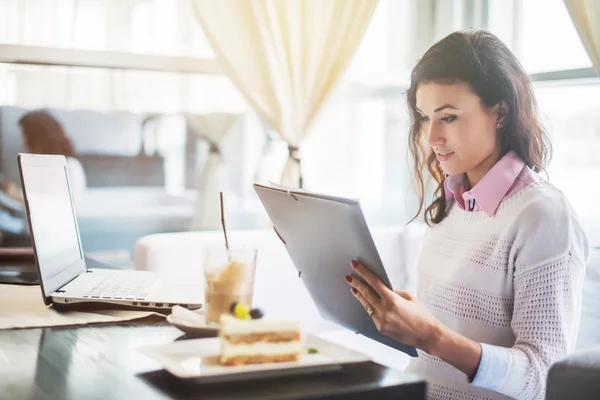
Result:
x=23 y=307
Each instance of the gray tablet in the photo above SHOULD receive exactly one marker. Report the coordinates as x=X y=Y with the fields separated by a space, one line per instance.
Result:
x=322 y=234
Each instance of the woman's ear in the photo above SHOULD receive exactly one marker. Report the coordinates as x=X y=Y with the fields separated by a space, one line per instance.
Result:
x=502 y=112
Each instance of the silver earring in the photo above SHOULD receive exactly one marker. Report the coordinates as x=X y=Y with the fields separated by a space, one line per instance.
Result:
x=498 y=125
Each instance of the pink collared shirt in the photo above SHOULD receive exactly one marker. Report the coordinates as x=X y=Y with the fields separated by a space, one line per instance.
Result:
x=506 y=178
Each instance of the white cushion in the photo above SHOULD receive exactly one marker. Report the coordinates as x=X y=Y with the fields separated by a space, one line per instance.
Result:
x=276 y=274
x=183 y=251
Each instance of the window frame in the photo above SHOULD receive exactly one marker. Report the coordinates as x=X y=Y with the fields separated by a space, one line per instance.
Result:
x=53 y=56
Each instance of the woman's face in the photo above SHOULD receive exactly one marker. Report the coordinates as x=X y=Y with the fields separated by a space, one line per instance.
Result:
x=459 y=128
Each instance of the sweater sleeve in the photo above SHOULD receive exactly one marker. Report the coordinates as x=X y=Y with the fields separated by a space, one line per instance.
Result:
x=550 y=256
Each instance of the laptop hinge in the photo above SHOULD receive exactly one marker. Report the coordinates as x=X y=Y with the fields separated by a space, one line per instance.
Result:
x=66 y=283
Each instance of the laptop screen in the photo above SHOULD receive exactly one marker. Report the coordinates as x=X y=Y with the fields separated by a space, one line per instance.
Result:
x=53 y=224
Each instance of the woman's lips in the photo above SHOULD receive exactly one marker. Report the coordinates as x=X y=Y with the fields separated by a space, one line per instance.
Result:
x=443 y=157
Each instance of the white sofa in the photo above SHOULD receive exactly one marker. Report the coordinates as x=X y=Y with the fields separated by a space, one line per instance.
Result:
x=183 y=252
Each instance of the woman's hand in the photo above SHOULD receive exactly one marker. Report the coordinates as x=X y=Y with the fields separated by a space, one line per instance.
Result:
x=400 y=316
x=396 y=314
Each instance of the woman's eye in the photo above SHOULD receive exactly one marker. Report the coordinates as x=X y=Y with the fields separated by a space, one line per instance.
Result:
x=449 y=119
x=424 y=119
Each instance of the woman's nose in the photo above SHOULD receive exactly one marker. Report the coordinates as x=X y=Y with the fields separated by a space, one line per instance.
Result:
x=434 y=134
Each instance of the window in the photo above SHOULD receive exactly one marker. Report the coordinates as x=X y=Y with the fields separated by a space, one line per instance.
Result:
x=545 y=40
x=571 y=117
x=157 y=27
x=357 y=146
x=550 y=43
x=540 y=33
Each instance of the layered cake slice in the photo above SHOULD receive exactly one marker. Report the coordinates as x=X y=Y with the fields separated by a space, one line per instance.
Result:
x=258 y=340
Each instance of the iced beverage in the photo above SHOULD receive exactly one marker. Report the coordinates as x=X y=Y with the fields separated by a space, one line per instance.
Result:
x=229 y=278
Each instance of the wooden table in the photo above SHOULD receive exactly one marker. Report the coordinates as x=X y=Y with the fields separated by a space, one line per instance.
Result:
x=101 y=362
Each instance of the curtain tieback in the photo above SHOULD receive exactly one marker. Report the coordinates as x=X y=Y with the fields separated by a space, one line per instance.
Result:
x=294 y=153
x=214 y=148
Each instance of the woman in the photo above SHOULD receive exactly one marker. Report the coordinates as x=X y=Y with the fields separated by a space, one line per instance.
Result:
x=502 y=263
x=43 y=134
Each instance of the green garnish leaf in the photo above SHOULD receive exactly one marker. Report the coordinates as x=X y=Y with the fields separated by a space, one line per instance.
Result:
x=311 y=350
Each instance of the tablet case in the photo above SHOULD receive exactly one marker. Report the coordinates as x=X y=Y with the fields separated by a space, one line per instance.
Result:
x=322 y=234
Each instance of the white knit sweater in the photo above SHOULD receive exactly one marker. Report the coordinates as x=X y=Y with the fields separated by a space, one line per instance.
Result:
x=513 y=281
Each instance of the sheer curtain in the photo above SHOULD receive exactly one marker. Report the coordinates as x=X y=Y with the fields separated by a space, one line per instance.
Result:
x=285 y=57
x=212 y=128
x=586 y=18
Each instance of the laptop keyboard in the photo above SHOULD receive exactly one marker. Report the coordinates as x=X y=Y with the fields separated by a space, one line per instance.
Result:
x=123 y=286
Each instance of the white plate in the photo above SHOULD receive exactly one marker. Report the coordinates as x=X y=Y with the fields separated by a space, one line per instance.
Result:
x=199 y=358
x=194 y=330
x=192 y=322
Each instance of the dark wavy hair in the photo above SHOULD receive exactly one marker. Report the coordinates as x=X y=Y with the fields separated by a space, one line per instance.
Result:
x=493 y=73
x=43 y=134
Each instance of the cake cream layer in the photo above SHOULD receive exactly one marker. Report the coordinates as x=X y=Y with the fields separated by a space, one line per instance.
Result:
x=267 y=337
x=233 y=326
x=229 y=350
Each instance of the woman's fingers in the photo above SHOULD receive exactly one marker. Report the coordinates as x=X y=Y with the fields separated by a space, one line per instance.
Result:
x=371 y=279
x=362 y=300
x=404 y=295
x=365 y=290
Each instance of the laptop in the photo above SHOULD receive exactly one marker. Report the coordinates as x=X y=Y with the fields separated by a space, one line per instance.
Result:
x=65 y=280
